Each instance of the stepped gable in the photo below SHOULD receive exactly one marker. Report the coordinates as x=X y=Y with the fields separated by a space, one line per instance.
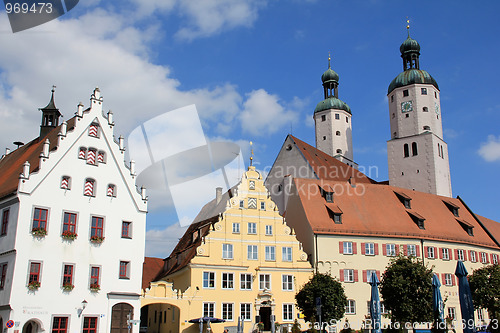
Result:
x=327 y=167
x=11 y=165
x=378 y=210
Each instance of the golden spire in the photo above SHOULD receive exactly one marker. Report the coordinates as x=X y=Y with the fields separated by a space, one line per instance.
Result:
x=251 y=153
x=329 y=58
x=408 y=26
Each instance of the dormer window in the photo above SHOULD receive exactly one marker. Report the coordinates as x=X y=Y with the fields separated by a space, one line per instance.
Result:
x=418 y=219
x=452 y=207
x=405 y=200
x=469 y=228
x=94 y=130
x=326 y=192
x=335 y=213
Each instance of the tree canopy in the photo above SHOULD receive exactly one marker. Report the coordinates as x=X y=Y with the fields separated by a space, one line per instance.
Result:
x=406 y=290
x=331 y=292
x=485 y=287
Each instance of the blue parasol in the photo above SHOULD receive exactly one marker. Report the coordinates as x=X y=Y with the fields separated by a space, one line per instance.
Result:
x=465 y=296
x=437 y=304
x=375 y=304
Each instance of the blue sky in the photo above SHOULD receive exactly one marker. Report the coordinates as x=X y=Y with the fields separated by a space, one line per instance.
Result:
x=253 y=69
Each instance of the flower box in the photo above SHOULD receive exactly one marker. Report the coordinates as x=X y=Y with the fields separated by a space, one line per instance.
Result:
x=69 y=235
x=94 y=287
x=68 y=287
x=34 y=285
x=39 y=232
x=97 y=239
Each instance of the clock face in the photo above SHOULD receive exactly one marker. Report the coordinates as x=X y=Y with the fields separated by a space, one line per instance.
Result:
x=436 y=107
x=406 y=106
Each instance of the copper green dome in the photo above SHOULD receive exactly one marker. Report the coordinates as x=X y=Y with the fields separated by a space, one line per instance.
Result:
x=329 y=75
x=412 y=76
x=332 y=103
x=409 y=45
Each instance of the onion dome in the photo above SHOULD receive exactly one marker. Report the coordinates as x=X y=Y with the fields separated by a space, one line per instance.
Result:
x=329 y=75
x=409 y=45
x=332 y=103
x=412 y=76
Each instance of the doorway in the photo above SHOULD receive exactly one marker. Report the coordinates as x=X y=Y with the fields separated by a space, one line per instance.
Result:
x=120 y=313
x=265 y=317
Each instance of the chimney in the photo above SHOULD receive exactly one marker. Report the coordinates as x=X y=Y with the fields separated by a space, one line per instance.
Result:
x=79 y=110
x=218 y=195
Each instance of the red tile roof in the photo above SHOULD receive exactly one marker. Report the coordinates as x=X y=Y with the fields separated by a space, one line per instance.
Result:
x=150 y=269
x=329 y=168
x=375 y=210
x=11 y=165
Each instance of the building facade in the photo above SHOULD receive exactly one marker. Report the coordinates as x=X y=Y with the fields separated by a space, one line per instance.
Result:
x=73 y=228
x=238 y=259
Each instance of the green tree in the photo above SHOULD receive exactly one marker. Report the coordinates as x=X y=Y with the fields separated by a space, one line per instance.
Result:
x=406 y=289
x=485 y=287
x=331 y=292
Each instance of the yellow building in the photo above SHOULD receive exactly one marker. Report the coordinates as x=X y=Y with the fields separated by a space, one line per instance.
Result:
x=238 y=258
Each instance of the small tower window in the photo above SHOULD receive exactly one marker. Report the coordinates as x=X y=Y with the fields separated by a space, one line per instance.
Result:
x=337 y=133
x=393 y=115
x=425 y=109
x=392 y=98
x=405 y=93
x=324 y=137
x=439 y=150
x=94 y=130
x=91 y=156
x=88 y=190
x=424 y=91
x=407 y=115
x=427 y=128
x=435 y=95
x=101 y=157
x=395 y=134
x=323 y=117
x=337 y=116
x=82 y=152
x=66 y=182
x=346 y=119
x=414 y=151
x=339 y=151
x=406 y=150
x=442 y=154
x=111 y=190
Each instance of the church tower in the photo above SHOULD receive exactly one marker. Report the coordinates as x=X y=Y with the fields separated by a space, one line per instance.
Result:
x=332 y=118
x=50 y=116
x=417 y=154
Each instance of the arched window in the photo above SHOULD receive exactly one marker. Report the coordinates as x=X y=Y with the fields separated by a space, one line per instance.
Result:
x=66 y=182
x=427 y=128
x=89 y=188
x=337 y=133
x=414 y=151
x=94 y=130
x=439 y=150
x=82 y=152
x=91 y=156
x=406 y=150
x=339 y=151
x=393 y=115
x=442 y=154
x=426 y=109
x=111 y=190
x=101 y=157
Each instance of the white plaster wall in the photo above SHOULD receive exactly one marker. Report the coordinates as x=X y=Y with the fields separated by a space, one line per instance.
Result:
x=329 y=128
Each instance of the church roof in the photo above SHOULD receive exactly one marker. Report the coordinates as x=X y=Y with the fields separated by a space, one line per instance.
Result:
x=411 y=76
x=11 y=165
x=377 y=210
x=332 y=103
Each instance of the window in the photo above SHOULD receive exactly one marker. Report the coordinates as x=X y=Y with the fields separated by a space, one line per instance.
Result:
x=269 y=230
x=264 y=281
x=405 y=93
x=446 y=254
x=97 y=227
x=252 y=203
x=69 y=223
x=484 y=258
x=89 y=325
x=427 y=128
x=423 y=91
x=460 y=255
x=3 y=276
x=337 y=116
x=270 y=253
x=350 y=308
x=287 y=312
x=227 y=311
x=339 y=151
x=370 y=249
x=392 y=98
x=286 y=253
x=126 y=229
x=208 y=280
x=82 y=152
x=448 y=279
x=494 y=259
x=348 y=275
x=65 y=182
x=473 y=256
x=245 y=311
x=323 y=117
x=209 y=309
x=101 y=157
x=227 y=281
x=328 y=196
x=480 y=314
x=425 y=109
x=68 y=275
x=88 y=190
x=95 y=274
x=40 y=219
x=390 y=250
x=242 y=204
x=236 y=228
x=414 y=151
x=435 y=95
x=369 y=273
x=346 y=119
x=411 y=250
x=91 y=155
x=245 y=281
x=252 y=228
x=34 y=275
x=59 y=324
x=124 y=270
x=337 y=133
x=287 y=282
x=347 y=247
x=252 y=253
x=431 y=252
x=337 y=218
x=451 y=313
x=111 y=192
x=227 y=251
x=262 y=205
x=5 y=222
x=94 y=130
x=251 y=185
x=406 y=150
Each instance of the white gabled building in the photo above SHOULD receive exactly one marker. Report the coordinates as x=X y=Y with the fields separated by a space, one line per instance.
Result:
x=72 y=233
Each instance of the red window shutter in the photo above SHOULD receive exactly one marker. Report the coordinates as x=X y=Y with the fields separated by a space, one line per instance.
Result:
x=425 y=251
x=378 y=275
x=418 y=250
x=341 y=247
x=384 y=249
x=487 y=258
x=100 y=157
x=491 y=256
x=453 y=281
x=465 y=255
x=91 y=157
x=354 y=248
x=365 y=276
x=341 y=275
x=376 y=249
x=82 y=153
x=89 y=188
x=443 y=278
x=93 y=130
x=456 y=254
x=440 y=253
x=397 y=249
x=355 y=275
x=363 y=248
x=405 y=250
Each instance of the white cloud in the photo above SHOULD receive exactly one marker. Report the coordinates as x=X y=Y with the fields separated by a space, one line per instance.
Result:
x=160 y=243
x=490 y=150
x=263 y=114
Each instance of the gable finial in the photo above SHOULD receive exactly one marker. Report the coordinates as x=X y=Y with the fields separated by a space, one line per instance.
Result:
x=408 y=26
x=53 y=88
x=329 y=58
x=251 y=153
